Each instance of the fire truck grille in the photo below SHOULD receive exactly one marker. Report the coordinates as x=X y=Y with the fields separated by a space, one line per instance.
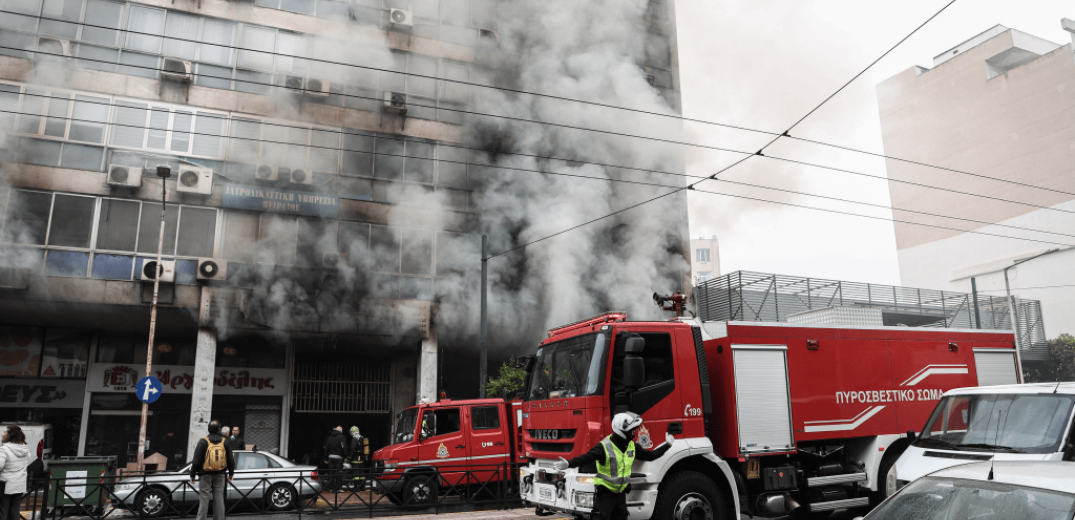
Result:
x=551 y=435
x=552 y=447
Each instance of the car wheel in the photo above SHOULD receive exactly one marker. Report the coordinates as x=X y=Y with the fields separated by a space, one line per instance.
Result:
x=151 y=503
x=280 y=497
x=420 y=490
x=689 y=495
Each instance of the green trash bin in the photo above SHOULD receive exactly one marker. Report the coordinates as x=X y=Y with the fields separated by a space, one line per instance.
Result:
x=76 y=482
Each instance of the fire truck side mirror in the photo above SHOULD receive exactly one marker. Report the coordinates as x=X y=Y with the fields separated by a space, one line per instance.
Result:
x=634 y=369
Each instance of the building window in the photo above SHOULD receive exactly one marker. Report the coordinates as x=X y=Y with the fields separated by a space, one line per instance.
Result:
x=702 y=255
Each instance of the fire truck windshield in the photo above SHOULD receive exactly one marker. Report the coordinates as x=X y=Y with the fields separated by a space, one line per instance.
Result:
x=1010 y=423
x=570 y=368
x=405 y=425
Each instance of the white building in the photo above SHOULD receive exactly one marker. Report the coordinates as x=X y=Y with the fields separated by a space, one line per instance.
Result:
x=705 y=258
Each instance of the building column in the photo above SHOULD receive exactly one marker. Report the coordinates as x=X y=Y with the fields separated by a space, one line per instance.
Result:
x=427 y=368
x=201 y=399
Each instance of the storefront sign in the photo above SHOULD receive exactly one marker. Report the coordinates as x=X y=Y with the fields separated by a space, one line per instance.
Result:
x=259 y=198
x=108 y=377
x=35 y=393
x=20 y=351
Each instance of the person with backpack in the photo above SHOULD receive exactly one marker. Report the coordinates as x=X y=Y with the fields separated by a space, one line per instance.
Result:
x=358 y=454
x=213 y=459
x=335 y=450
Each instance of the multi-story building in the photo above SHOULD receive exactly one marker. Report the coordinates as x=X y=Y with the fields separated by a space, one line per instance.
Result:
x=323 y=208
x=998 y=105
x=705 y=258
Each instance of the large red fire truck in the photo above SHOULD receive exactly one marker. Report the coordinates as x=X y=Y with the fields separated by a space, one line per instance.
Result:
x=769 y=418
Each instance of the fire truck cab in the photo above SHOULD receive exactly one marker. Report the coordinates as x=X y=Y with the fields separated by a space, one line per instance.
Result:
x=437 y=446
x=769 y=419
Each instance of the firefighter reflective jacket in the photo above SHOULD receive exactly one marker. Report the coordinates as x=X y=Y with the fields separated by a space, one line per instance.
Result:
x=615 y=472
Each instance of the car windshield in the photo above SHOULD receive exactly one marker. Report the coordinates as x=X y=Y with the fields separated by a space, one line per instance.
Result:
x=570 y=368
x=1011 y=423
x=938 y=498
x=405 y=425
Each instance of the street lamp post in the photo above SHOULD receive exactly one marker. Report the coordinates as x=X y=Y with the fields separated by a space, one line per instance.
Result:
x=163 y=172
x=1013 y=314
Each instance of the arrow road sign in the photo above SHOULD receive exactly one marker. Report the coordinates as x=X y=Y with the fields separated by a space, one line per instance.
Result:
x=148 y=389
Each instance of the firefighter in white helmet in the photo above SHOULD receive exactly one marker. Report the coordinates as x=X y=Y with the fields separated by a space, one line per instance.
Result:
x=615 y=455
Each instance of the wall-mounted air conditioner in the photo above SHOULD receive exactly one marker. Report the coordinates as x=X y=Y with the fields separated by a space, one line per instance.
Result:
x=317 y=87
x=401 y=18
x=176 y=70
x=54 y=47
x=212 y=269
x=266 y=172
x=330 y=260
x=488 y=37
x=195 y=179
x=395 y=102
x=123 y=175
x=295 y=84
x=301 y=176
x=150 y=270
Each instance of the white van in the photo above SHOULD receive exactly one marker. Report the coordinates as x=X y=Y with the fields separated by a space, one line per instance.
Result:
x=1005 y=422
x=38 y=437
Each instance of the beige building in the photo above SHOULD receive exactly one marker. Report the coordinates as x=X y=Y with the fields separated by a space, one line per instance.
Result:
x=322 y=159
x=705 y=258
x=1002 y=105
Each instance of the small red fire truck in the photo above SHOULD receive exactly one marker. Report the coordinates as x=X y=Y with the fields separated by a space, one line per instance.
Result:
x=769 y=418
x=453 y=443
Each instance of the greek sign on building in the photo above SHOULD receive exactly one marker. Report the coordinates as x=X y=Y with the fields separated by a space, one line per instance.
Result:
x=259 y=198
x=108 y=377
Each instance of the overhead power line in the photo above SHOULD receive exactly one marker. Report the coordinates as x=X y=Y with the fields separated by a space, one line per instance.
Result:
x=581 y=101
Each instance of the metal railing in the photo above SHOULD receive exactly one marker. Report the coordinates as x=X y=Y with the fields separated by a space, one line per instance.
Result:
x=751 y=296
x=362 y=492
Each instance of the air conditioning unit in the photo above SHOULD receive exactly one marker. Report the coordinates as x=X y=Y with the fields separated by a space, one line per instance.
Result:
x=54 y=47
x=317 y=87
x=212 y=269
x=266 y=172
x=295 y=84
x=150 y=270
x=330 y=260
x=648 y=75
x=488 y=37
x=123 y=175
x=395 y=102
x=301 y=176
x=176 y=70
x=195 y=179
x=401 y=17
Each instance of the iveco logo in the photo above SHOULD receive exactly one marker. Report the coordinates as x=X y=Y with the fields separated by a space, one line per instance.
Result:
x=545 y=435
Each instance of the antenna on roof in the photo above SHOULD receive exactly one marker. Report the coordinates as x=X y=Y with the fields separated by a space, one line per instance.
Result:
x=996 y=436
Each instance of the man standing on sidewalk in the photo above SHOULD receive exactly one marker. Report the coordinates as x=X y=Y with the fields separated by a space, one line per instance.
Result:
x=212 y=459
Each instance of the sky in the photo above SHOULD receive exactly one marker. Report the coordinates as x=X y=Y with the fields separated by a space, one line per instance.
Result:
x=764 y=65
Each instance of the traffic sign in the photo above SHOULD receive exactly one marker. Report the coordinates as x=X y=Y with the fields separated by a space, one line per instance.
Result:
x=148 y=389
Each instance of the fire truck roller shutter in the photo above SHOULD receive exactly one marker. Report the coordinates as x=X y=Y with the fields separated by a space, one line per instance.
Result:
x=762 y=400
x=995 y=366
x=703 y=375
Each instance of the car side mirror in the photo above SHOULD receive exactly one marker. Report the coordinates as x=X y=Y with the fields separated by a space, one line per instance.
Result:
x=634 y=369
x=911 y=435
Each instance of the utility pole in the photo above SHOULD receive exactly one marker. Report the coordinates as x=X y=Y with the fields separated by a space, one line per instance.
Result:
x=485 y=316
x=977 y=313
x=163 y=172
x=1013 y=313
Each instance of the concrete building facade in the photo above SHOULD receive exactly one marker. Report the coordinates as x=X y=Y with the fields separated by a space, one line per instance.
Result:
x=705 y=258
x=303 y=140
x=1000 y=105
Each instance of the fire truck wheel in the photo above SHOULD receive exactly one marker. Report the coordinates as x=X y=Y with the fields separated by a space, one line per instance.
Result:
x=420 y=490
x=887 y=472
x=689 y=496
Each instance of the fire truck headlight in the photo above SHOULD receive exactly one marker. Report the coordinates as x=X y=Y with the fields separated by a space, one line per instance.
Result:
x=584 y=480
x=583 y=499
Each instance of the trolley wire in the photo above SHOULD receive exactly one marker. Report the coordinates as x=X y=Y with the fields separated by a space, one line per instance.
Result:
x=564 y=98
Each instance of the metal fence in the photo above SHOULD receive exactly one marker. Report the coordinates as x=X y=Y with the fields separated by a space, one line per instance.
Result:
x=751 y=296
x=364 y=492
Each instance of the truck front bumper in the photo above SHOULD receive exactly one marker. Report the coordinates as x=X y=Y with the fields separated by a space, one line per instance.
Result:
x=573 y=492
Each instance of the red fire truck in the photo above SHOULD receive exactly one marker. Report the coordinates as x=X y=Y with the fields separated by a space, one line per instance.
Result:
x=449 y=443
x=769 y=418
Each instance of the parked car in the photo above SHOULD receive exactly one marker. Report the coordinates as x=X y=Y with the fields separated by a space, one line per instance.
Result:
x=259 y=476
x=1002 y=490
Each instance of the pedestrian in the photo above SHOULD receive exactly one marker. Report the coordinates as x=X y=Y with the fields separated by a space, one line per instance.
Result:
x=14 y=459
x=358 y=450
x=213 y=459
x=335 y=453
x=236 y=439
x=615 y=456
x=225 y=431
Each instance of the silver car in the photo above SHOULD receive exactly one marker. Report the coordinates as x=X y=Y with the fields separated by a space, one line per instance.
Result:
x=1004 y=490
x=262 y=480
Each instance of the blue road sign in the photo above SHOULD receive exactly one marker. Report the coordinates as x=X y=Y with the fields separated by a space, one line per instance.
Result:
x=148 y=389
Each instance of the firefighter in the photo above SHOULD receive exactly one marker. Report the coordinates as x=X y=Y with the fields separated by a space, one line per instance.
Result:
x=615 y=455
x=359 y=451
